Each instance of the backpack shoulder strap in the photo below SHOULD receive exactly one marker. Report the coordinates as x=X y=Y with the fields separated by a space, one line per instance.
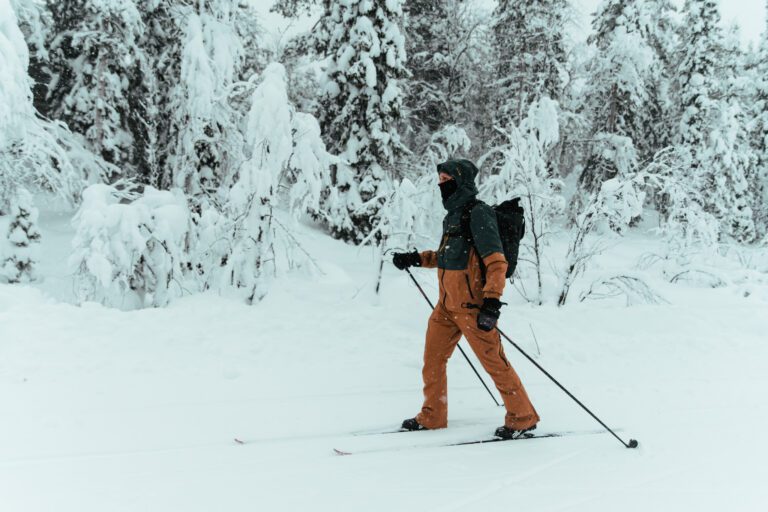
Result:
x=466 y=230
x=466 y=218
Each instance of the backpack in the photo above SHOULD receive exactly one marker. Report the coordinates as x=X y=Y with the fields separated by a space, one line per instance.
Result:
x=511 y=220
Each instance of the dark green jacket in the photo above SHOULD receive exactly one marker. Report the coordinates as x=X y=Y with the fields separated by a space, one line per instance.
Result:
x=458 y=262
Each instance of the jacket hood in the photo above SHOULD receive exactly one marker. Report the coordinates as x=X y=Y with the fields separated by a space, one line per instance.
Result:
x=464 y=172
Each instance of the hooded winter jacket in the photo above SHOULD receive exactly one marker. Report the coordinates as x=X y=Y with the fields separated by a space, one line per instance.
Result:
x=457 y=261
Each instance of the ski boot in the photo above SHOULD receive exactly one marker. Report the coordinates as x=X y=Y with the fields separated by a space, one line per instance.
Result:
x=411 y=425
x=508 y=433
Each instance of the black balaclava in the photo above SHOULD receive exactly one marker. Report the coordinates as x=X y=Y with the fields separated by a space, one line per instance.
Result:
x=447 y=188
x=461 y=188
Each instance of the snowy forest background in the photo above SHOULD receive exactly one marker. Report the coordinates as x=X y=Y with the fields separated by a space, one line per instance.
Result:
x=192 y=147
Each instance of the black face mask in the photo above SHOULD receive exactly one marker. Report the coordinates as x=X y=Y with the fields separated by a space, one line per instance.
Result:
x=447 y=188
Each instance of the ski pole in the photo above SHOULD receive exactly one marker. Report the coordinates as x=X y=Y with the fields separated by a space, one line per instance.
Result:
x=459 y=346
x=632 y=443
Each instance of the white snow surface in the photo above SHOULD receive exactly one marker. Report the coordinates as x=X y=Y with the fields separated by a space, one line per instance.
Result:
x=104 y=410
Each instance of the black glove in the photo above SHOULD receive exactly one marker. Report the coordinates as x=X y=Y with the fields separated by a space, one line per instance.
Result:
x=489 y=314
x=403 y=260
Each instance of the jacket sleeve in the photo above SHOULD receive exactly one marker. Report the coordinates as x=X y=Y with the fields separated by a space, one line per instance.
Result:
x=428 y=259
x=485 y=233
x=495 y=275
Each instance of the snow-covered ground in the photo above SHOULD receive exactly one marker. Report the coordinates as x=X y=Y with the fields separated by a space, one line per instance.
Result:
x=104 y=410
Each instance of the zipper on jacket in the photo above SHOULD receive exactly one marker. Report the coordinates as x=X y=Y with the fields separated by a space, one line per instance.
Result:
x=445 y=290
x=469 y=288
x=440 y=251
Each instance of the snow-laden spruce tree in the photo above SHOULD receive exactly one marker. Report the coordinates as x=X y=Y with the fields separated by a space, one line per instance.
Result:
x=430 y=37
x=16 y=109
x=710 y=123
x=32 y=152
x=733 y=153
x=575 y=130
x=253 y=197
x=128 y=248
x=94 y=58
x=700 y=45
x=284 y=150
x=452 y=74
x=204 y=134
x=683 y=223
x=531 y=55
x=161 y=42
x=758 y=127
x=173 y=133
x=18 y=260
x=658 y=21
x=523 y=172
x=619 y=77
x=361 y=102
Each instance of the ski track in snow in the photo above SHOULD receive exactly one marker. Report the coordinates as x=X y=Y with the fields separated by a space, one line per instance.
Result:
x=104 y=410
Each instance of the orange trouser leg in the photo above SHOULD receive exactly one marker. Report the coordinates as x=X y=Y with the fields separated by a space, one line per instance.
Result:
x=487 y=347
x=442 y=336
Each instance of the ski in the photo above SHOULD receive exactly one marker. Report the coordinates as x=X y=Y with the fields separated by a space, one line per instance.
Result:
x=245 y=441
x=529 y=435
x=379 y=432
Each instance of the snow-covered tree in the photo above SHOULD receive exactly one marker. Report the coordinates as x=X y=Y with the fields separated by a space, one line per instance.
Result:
x=758 y=127
x=612 y=155
x=248 y=28
x=254 y=195
x=619 y=77
x=360 y=104
x=444 y=144
x=572 y=151
x=734 y=154
x=683 y=222
x=204 y=132
x=16 y=109
x=171 y=133
x=711 y=124
x=523 y=172
x=398 y=220
x=161 y=43
x=629 y=78
x=284 y=150
x=34 y=23
x=429 y=42
x=531 y=55
x=660 y=25
x=19 y=259
x=294 y=8
x=701 y=45
x=94 y=58
x=615 y=205
x=32 y=152
x=128 y=248
x=452 y=82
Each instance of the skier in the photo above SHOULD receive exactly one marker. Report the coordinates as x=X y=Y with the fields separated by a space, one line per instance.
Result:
x=470 y=270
